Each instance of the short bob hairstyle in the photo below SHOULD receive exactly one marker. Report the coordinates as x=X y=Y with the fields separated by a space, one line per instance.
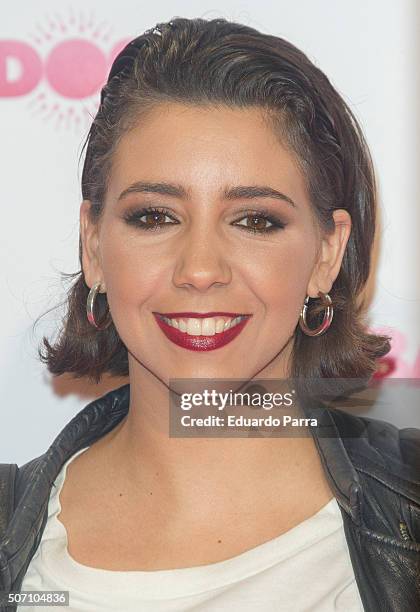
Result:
x=218 y=62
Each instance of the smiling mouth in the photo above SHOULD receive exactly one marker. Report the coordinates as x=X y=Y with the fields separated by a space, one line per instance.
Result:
x=199 y=331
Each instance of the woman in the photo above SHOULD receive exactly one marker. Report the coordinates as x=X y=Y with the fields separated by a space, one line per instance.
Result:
x=228 y=202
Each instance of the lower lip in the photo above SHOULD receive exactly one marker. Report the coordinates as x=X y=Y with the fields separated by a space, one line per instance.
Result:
x=200 y=343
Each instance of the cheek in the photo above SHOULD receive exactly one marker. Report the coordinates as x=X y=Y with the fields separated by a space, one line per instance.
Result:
x=132 y=273
x=279 y=276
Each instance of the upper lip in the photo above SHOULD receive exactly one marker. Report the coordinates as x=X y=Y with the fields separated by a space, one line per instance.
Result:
x=200 y=315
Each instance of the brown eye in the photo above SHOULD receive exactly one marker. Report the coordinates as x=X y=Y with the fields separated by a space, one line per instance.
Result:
x=149 y=218
x=153 y=218
x=257 y=223
x=260 y=222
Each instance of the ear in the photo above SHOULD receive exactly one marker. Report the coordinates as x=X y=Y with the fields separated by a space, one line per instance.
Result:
x=89 y=235
x=330 y=256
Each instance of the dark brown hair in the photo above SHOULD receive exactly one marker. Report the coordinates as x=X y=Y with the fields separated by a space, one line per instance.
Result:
x=218 y=62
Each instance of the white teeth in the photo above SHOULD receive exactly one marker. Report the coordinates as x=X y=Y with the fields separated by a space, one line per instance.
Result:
x=194 y=327
x=208 y=327
x=202 y=327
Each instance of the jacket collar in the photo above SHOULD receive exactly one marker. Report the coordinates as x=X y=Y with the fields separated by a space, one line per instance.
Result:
x=338 y=467
x=100 y=416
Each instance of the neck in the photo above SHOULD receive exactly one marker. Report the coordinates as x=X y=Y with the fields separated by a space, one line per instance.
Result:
x=182 y=470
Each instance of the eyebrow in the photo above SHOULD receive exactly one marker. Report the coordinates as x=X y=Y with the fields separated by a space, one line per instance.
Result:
x=234 y=193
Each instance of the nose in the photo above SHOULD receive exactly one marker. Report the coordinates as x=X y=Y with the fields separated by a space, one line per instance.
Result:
x=202 y=261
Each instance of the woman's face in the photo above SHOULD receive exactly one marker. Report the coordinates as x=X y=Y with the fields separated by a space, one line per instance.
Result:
x=199 y=253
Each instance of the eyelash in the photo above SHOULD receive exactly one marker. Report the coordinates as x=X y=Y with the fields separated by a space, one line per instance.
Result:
x=133 y=218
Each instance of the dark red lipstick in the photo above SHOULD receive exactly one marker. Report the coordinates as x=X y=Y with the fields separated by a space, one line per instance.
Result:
x=200 y=343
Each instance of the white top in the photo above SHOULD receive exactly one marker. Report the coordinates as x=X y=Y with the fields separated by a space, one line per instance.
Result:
x=305 y=569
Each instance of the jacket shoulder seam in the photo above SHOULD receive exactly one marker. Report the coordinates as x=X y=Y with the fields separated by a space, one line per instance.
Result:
x=388 y=541
x=393 y=482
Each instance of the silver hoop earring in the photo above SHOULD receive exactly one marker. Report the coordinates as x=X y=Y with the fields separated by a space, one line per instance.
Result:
x=90 y=304
x=328 y=316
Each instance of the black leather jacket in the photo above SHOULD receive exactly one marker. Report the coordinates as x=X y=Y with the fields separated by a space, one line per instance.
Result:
x=372 y=467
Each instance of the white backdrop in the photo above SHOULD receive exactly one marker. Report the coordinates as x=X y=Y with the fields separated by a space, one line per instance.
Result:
x=366 y=47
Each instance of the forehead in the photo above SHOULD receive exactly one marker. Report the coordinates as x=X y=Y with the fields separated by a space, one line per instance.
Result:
x=206 y=147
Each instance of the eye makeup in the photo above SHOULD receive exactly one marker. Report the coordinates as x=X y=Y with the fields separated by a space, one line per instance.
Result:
x=156 y=220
